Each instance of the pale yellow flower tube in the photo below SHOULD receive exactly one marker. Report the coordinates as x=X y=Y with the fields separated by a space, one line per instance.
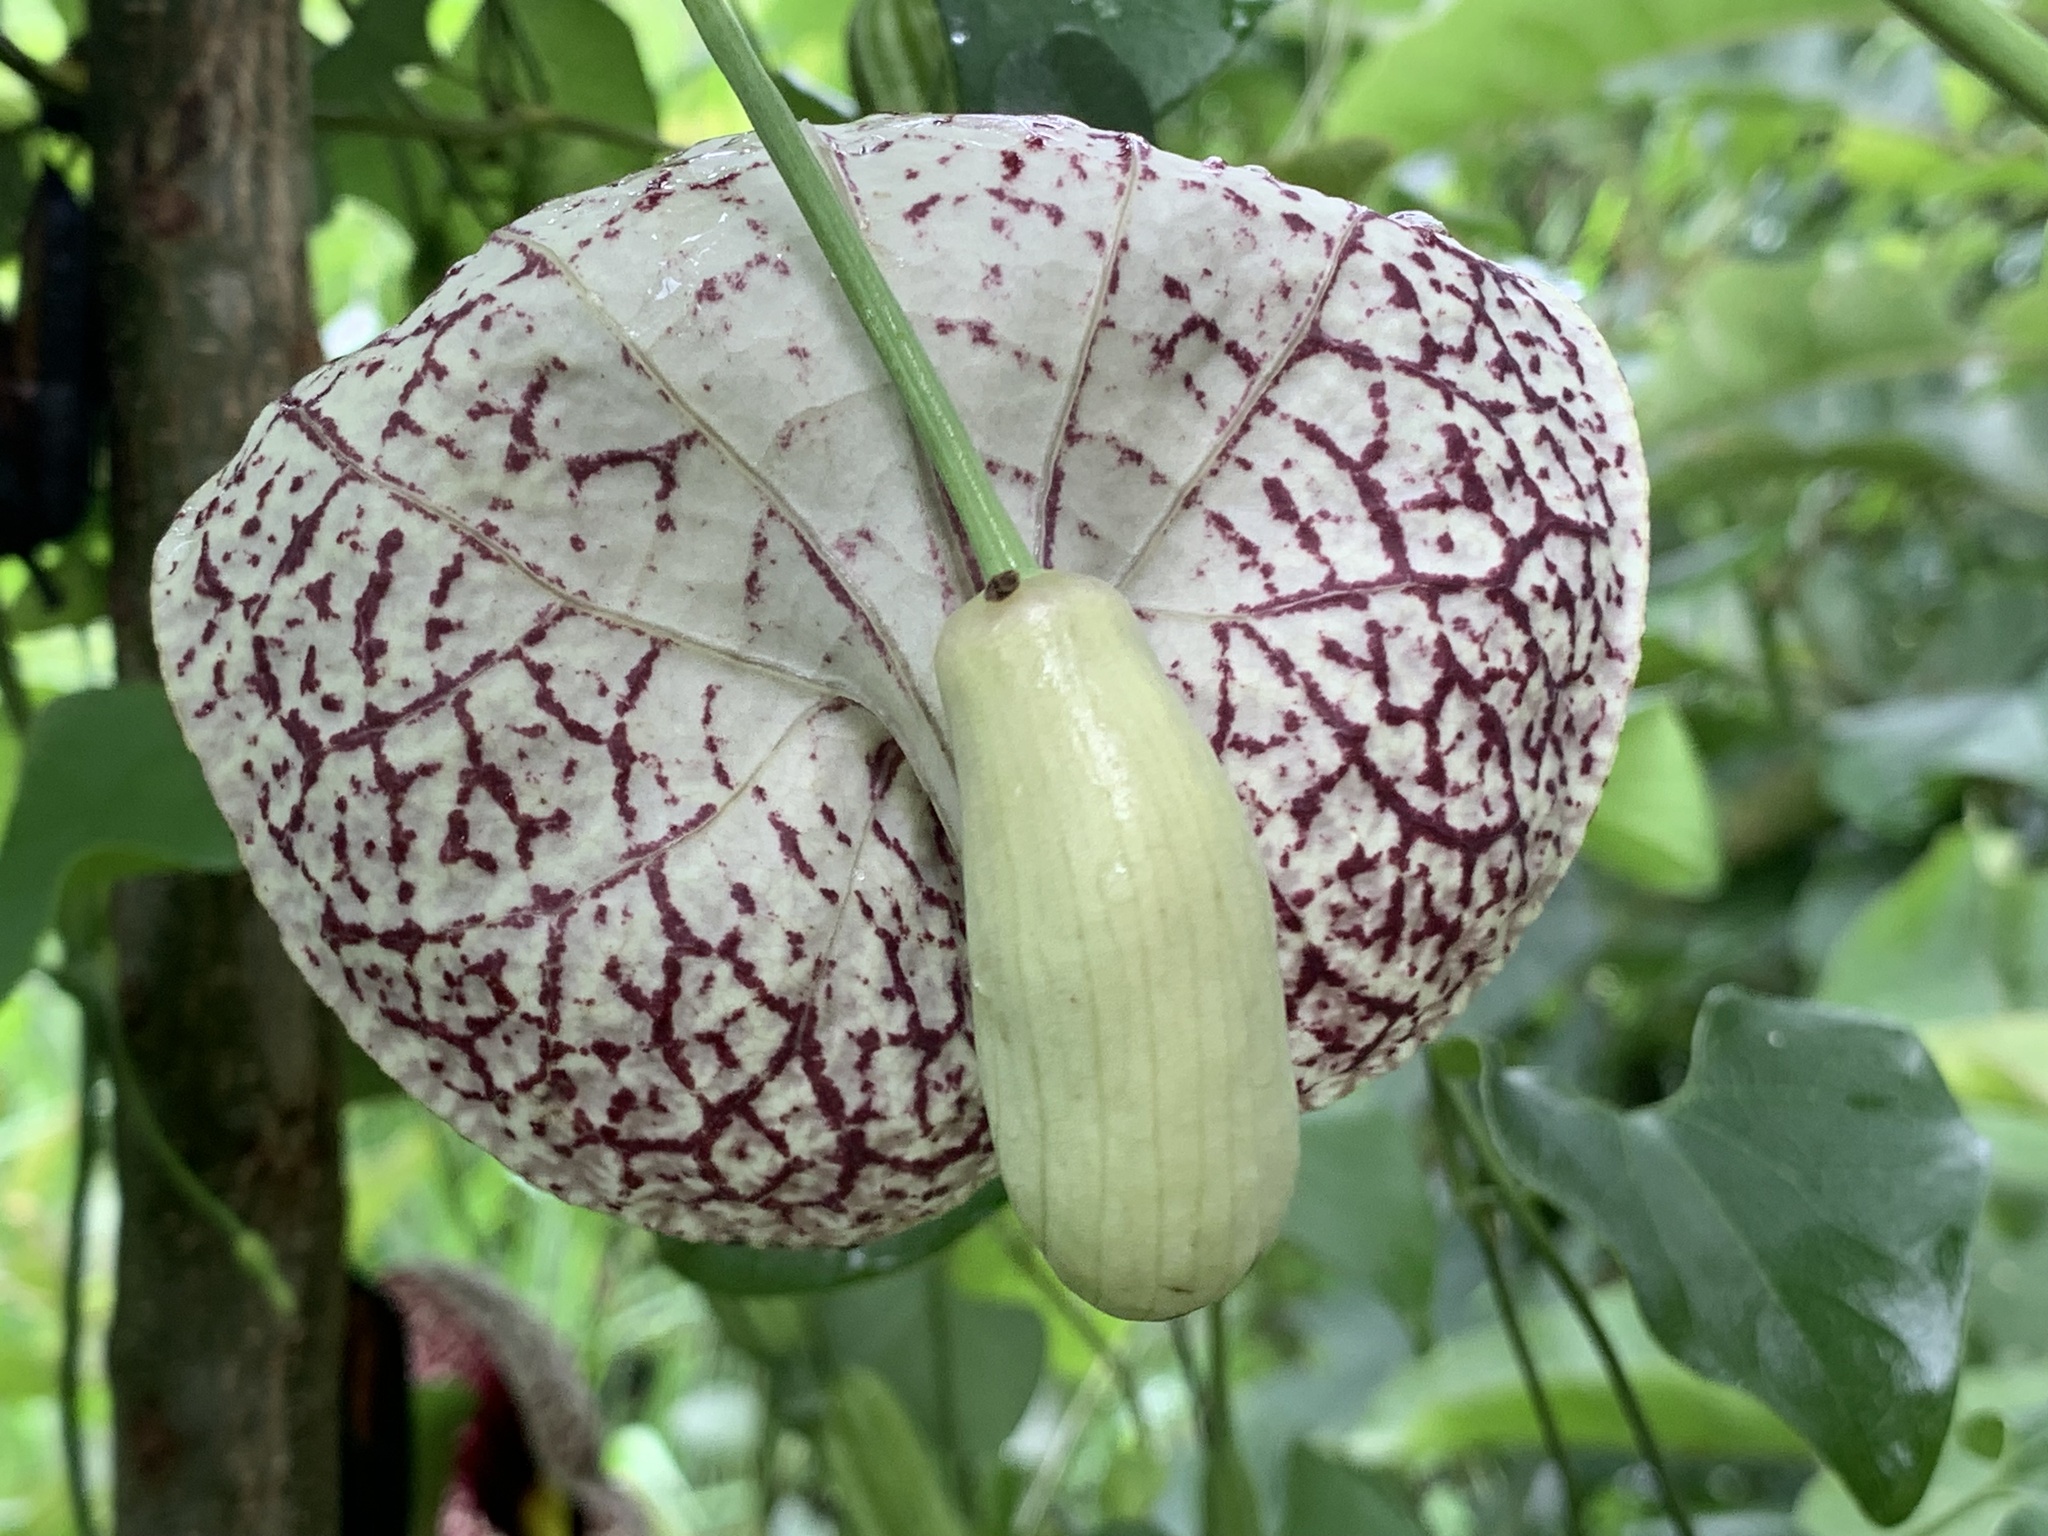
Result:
x=1128 y=1018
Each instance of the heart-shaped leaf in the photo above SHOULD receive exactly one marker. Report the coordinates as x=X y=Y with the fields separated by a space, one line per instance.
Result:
x=1328 y=1498
x=1795 y=1221
x=107 y=789
x=562 y=660
x=1132 y=59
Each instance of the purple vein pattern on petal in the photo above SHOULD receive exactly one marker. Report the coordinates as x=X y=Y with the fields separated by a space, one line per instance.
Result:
x=563 y=658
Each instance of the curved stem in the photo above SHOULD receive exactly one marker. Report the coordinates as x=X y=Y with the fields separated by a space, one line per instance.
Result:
x=945 y=1384
x=1508 y=1192
x=14 y=697
x=998 y=547
x=1989 y=42
x=1076 y=1316
x=1229 y=1506
x=74 y=1284
x=1478 y=1212
x=251 y=1251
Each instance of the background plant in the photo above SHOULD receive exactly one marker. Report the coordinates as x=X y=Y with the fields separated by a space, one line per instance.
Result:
x=1817 y=242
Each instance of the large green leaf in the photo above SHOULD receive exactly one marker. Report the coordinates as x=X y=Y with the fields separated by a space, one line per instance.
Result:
x=1747 y=332
x=1952 y=938
x=1893 y=767
x=357 y=74
x=1989 y=1467
x=1328 y=1498
x=883 y=1480
x=964 y=1368
x=1487 y=61
x=1795 y=1221
x=107 y=789
x=1466 y=1395
x=1361 y=1202
x=440 y=1412
x=744 y=1271
x=1655 y=826
x=1116 y=66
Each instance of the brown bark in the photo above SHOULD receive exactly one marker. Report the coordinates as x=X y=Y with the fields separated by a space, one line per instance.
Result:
x=226 y=1414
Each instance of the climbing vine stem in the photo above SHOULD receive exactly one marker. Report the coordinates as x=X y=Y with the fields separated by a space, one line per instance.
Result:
x=1503 y=1188
x=1992 y=43
x=1474 y=1200
x=249 y=1247
x=997 y=545
x=72 y=1350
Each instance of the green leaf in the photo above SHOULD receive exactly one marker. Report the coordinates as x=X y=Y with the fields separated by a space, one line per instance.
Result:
x=1981 y=1478
x=1655 y=826
x=1795 y=1220
x=439 y=1415
x=1341 y=167
x=2028 y=1519
x=897 y=53
x=1361 y=1202
x=744 y=1271
x=1466 y=1395
x=1943 y=941
x=1328 y=1498
x=1747 y=332
x=993 y=1355
x=1475 y=62
x=1892 y=767
x=356 y=75
x=996 y=1262
x=107 y=789
x=882 y=1477
x=1077 y=75
x=1136 y=57
x=589 y=67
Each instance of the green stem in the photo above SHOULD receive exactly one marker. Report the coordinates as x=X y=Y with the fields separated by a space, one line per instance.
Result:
x=1478 y=1212
x=39 y=77
x=251 y=1251
x=1992 y=43
x=945 y=1385
x=997 y=545
x=14 y=697
x=1229 y=1506
x=1071 y=1312
x=1508 y=1192
x=74 y=1286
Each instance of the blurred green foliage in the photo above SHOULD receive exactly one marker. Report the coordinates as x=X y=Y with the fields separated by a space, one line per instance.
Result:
x=1817 y=246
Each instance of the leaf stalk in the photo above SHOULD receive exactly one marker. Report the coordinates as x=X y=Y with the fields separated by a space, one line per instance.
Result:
x=997 y=545
x=251 y=1250
x=1991 y=43
x=1509 y=1193
x=73 y=1347
x=1475 y=1203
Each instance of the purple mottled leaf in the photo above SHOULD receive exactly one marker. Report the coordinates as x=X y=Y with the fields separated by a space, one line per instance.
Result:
x=562 y=660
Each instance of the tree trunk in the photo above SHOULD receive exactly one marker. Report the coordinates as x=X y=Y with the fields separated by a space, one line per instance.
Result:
x=225 y=1413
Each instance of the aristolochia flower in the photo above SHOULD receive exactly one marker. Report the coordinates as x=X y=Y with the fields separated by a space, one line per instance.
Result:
x=564 y=659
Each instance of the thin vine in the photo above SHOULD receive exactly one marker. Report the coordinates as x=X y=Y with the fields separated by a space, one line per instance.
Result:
x=72 y=1349
x=1472 y=1131
x=1474 y=1197
x=251 y=1250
